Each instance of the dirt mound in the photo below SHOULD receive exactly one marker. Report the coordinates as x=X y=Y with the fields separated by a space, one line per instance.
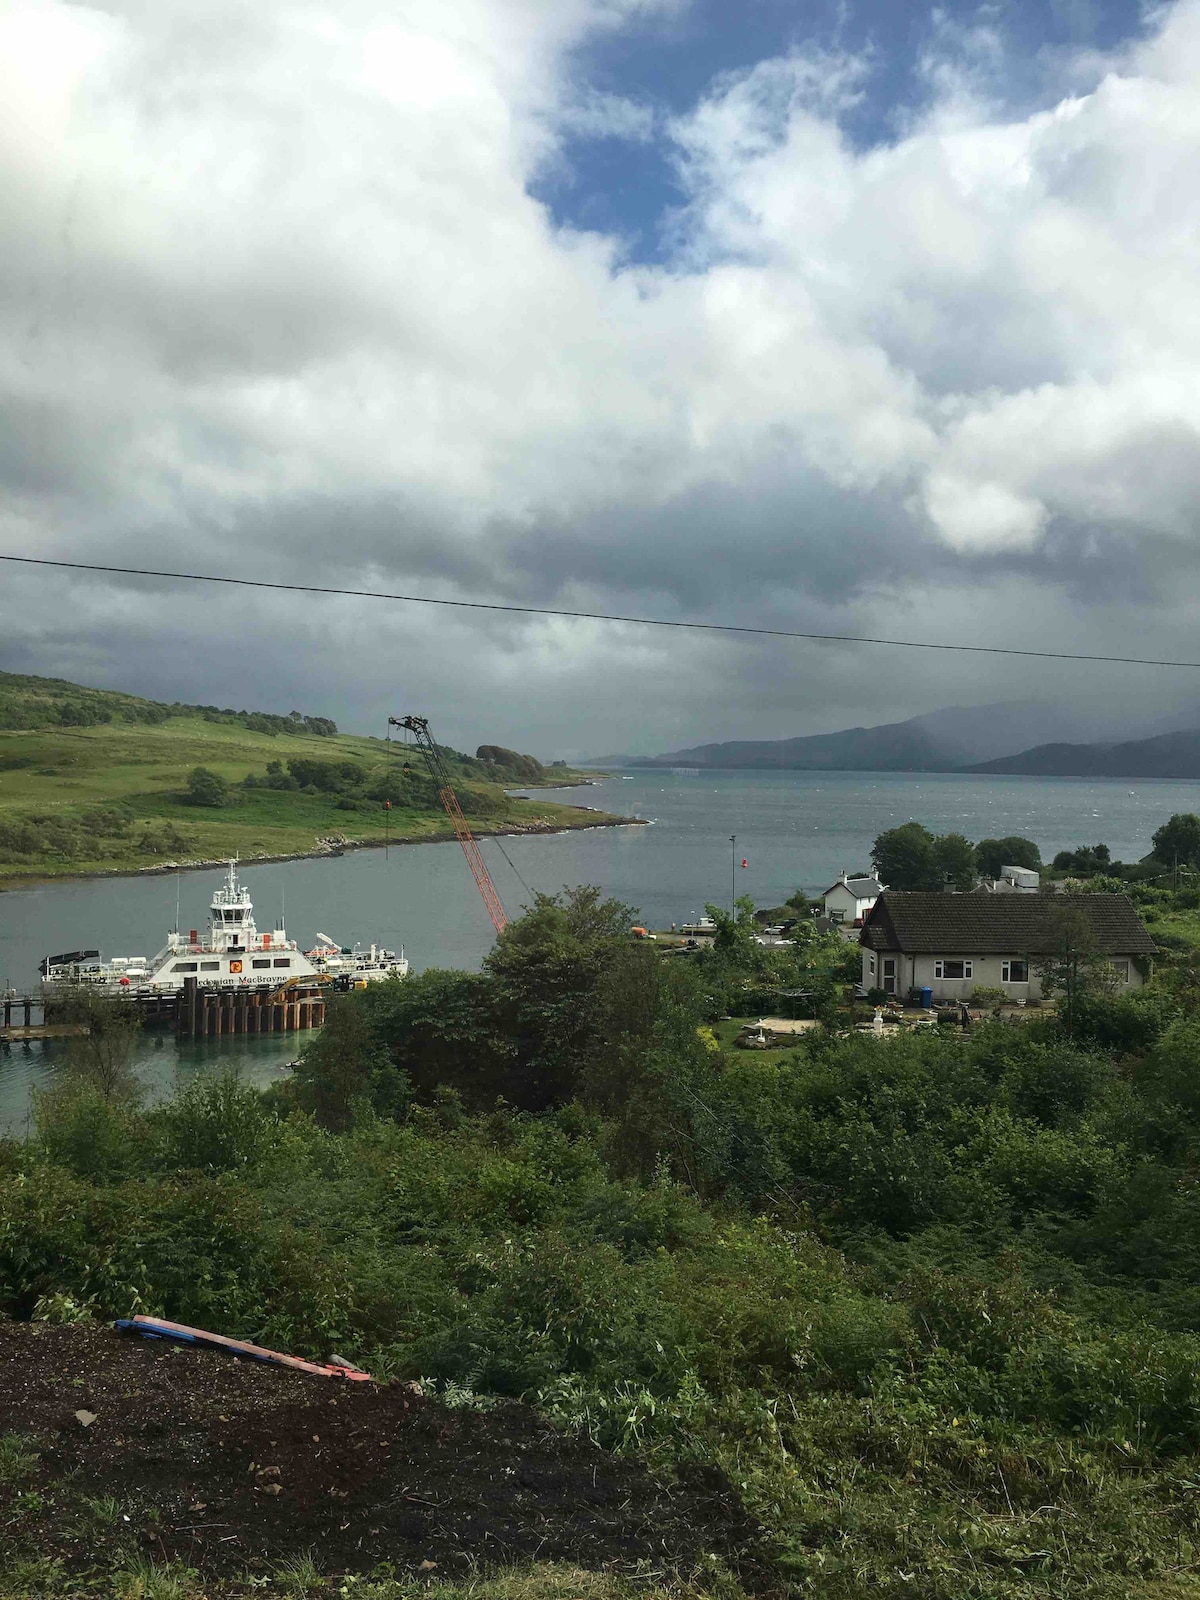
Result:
x=223 y=1465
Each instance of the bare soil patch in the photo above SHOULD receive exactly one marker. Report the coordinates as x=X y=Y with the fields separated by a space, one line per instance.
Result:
x=224 y=1466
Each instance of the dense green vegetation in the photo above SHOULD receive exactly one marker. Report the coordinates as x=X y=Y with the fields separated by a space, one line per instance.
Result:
x=931 y=1302
x=27 y=703
x=911 y=857
x=93 y=781
x=1174 y=857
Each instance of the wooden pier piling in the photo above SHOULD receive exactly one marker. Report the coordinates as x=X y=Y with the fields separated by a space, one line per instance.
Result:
x=215 y=1013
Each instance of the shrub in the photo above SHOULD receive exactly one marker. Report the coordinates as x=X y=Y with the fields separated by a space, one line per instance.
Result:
x=205 y=788
x=986 y=998
x=213 y=1125
x=85 y=1131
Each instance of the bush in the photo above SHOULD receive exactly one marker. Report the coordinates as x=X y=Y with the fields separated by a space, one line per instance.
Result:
x=205 y=788
x=213 y=1125
x=986 y=999
x=84 y=1131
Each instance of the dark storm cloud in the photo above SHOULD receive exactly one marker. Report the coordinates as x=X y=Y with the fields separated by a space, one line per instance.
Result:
x=794 y=543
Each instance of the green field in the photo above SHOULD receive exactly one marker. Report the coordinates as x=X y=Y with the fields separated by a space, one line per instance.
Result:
x=101 y=785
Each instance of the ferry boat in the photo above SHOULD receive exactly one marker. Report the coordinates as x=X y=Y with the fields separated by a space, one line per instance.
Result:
x=232 y=955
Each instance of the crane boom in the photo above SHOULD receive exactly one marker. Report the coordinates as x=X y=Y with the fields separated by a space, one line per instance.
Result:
x=427 y=744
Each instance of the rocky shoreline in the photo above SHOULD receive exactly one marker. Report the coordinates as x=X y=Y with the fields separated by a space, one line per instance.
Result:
x=327 y=848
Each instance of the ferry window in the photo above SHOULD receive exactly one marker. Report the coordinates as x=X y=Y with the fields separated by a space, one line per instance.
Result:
x=210 y=966
x=184 y=966
x=260 y=963
x=952 y=969
x=1014 y=972
x=285 y=962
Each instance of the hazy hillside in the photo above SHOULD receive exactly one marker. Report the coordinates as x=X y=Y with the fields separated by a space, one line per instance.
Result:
x=938 y=741
x=1169 y=755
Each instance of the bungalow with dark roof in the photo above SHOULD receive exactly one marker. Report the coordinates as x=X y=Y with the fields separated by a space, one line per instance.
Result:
x=953 y=943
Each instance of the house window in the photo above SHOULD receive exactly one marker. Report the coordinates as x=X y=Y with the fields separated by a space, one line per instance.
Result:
x=1013 y=971
x=260 y=963
x=184 y=966
x=871 y=965
x=952 y=969
x=285 y=962
x=1121 y=968
x=889 y=974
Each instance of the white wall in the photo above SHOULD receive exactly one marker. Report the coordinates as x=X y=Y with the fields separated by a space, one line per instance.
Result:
x=842 y=900
x=917 y=972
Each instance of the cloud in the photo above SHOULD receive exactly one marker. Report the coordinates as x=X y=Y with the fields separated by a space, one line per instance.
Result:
x=276 y=298
x=593 y=114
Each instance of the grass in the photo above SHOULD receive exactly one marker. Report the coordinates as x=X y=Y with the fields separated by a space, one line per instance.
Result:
x=18 y=1459
x=299 y=1577
x=139 y=1578
x=143 y=1579
x=144 y=768
x=1180 y=923
x=103 y=1509
x=728 y=1031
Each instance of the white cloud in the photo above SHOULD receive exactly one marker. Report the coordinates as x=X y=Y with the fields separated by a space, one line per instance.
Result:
x=593 y=114
x=274 y=288
x=972 y=514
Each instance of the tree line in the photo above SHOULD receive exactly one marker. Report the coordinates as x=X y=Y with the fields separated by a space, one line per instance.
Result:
x=912 y=857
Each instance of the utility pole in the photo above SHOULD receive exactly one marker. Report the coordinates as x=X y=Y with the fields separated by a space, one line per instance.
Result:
x=732 y=873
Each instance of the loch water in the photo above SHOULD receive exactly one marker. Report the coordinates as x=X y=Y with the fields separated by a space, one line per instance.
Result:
x=793 y=830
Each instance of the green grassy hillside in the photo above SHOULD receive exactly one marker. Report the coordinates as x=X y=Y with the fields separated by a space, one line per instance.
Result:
x=95 y=781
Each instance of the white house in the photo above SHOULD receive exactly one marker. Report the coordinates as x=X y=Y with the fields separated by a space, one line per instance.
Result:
x=954 y=943
x=849 y=899
x=1013 y=880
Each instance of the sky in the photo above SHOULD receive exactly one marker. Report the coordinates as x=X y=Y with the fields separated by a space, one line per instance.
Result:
x=862 y=318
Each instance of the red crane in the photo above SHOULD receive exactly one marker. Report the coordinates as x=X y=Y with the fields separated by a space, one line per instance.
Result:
x=427 y=744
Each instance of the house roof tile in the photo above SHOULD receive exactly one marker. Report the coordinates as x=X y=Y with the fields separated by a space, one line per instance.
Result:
x=861 y=888
x=972 y=924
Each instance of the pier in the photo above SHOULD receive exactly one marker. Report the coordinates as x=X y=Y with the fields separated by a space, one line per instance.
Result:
x=212 y=1013
x=23 y=1016
x=196 y=1013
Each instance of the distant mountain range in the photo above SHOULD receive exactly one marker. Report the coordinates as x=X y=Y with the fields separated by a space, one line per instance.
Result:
x=1168 y=755
x=1019 y=738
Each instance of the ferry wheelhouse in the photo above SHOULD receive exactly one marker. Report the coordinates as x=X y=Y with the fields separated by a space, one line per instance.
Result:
x=233 y=954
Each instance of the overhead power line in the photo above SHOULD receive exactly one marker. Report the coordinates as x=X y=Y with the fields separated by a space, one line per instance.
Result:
x=596 y=616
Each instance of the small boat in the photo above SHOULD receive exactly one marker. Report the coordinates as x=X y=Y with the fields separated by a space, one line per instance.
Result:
x=231 y=955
